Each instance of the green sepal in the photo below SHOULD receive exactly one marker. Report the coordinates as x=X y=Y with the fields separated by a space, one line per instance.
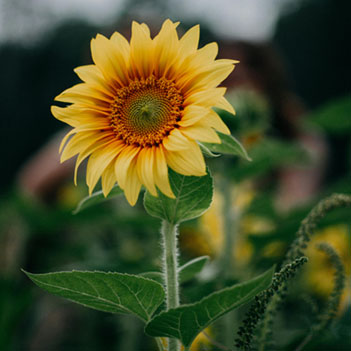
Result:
x=229 y=145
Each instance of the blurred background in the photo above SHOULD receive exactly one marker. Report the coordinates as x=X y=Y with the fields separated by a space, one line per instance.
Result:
x=292 y=95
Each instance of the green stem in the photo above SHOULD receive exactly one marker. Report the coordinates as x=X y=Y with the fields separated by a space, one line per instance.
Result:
x=170 y=272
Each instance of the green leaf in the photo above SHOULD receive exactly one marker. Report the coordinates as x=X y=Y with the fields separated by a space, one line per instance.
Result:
x=229 y=145
x=97 y=198
x=186 y=272
x=334 y=117
x=187 y=321
x=191 y=268
x=193 y=198
x=156 y=276
x=268 y=155
x=107 y=292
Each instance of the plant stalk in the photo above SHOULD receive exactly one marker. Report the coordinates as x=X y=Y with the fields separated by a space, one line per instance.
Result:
x=170 y=272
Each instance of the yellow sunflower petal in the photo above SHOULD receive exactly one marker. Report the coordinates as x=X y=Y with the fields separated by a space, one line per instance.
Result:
x=189 y=41
x=141 y=47
x=108 y=179
x=166 y=48
x=91 y=75
x=145 y=169
x=206 y=98
x=176 y=141
x=132 y=188
x=161 y=172
x=225 y=105
x=216 y=122
x=77 y=143
x=99 y=160
x=189 y=162
x=193 y=114
x=201 y=132
x=122 y=164
x=109 y=60
x=210 y=78
x=121 y=44
x=88 y=150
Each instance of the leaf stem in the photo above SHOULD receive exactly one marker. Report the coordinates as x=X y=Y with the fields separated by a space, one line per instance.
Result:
x=170 y=272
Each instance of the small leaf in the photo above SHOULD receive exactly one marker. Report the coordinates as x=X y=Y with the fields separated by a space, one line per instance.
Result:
x=206 y=151
x=107 y=292
x=186 y=272
x=96 y=198
x=193 y=198
x=191 y=268
x=229 y=145
x=187 y=321
x=334 y=116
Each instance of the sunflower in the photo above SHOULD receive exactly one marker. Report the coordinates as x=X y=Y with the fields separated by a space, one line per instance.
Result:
x=142 y=107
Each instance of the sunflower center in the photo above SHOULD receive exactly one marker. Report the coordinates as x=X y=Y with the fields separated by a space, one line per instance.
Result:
x=145 y=112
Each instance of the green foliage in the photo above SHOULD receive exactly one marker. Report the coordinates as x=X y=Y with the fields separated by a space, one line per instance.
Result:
x=229 y=145
x=297 y=248
x=187 y=321
x=108 y=292
x=258 y=308
x=309 y=224
x=334 y=117
x=193 y=196
x=268 y=155
x=96 y=198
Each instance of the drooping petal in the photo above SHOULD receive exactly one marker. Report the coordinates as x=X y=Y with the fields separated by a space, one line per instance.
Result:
x=85 y=152
x=145 y=169
x=99 y=160
x=108 y=178
x=122 y=164
x=216 y=122
x=161 y=172
x=225 y=105
x=189 y=162
x=132 y=188
x=76 y=144
x=201 y=132
x=206 y=98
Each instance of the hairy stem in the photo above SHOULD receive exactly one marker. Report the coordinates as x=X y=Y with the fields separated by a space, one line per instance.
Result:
x=170 y=272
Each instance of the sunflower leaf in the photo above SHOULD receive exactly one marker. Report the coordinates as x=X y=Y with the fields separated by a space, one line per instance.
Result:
x=229 y=145
x=187 y=321
x=97 y=198
x=107 y=292
x=193 y=196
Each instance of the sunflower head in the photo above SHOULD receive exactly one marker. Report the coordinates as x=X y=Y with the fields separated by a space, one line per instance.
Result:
x=142 y=107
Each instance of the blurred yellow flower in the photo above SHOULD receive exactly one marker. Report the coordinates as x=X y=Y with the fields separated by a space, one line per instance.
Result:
x=319 y=274
x=142 y=107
